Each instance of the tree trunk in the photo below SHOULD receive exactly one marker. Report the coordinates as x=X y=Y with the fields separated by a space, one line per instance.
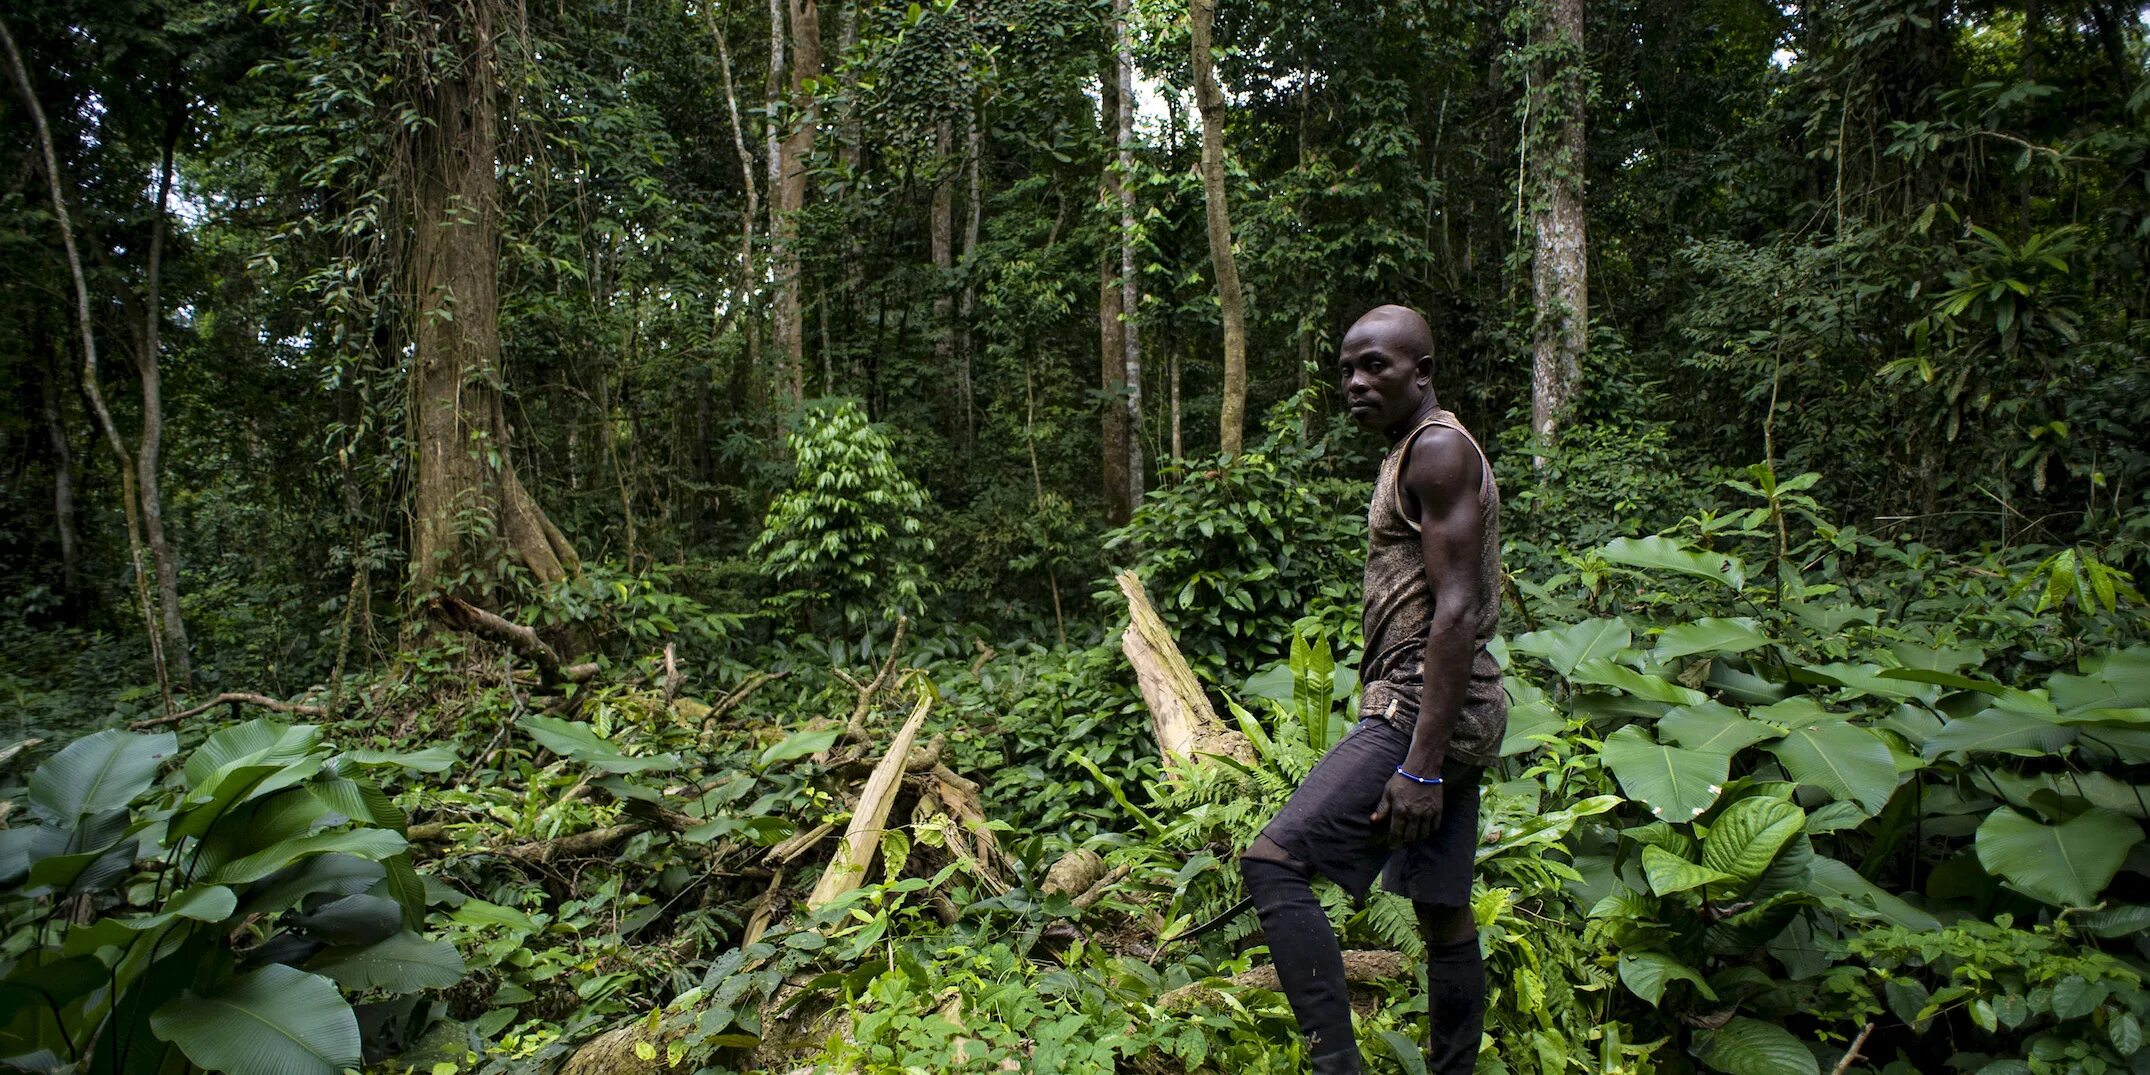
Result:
x=1559 y=283
x=465 y=472
x=974 y=192
x=63 y=487
x=796 y=149
x=129 y=496
x=1130 y=279
x=1210 y=99
x=1112 y=350
x=151 y=445
x=941 y=239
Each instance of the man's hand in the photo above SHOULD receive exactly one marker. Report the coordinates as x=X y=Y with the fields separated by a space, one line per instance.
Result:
x=1412 y=809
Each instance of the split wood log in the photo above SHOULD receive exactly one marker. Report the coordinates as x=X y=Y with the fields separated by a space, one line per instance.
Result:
x=1180 y=713
x=1360 y=968
x=1074 y=873
x=16 y=751
x=464 y=616
x=235 y=699
x=848 y=869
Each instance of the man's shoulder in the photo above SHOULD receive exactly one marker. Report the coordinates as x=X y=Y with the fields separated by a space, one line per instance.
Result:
x=1442 y=457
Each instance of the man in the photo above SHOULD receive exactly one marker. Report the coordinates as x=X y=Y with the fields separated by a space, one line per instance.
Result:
x=1399 y=795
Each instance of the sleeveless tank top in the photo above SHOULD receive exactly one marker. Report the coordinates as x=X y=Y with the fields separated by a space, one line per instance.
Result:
x=1399 y=609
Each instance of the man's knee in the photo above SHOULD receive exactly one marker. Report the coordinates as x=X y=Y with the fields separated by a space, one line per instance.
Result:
x=1267 y=852
x=1445 y=925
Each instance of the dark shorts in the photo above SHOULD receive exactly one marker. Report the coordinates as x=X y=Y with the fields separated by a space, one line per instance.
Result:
x=1325 y=825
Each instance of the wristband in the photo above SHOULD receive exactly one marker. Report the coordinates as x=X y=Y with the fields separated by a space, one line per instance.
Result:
x=1429 y=781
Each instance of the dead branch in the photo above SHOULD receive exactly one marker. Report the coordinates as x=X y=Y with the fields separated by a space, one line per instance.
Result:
x=233 y=699
x=16 y=751
x=764 y=910
x=1180 y=713
x=868 y=820
x=1103 y=885
x=1852 y=1054
x=673 y=678
x=741 y=693
x=464 y=616
x=579 y=845
x=798 y=844
x=855 y=728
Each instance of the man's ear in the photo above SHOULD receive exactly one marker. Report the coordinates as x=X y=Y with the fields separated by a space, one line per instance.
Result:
x=1425 y=368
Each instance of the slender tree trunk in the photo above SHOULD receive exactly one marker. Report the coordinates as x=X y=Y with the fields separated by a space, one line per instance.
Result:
x=1130 y=276
x=941 y=240
x=974 y=212
x=797 y=149
x=129 y=495
x=1559 y=281
x=465 y=469
x=737 y=311
x=63 y=486
x=1112 y=350
x=151 y=446
x=1230 y=301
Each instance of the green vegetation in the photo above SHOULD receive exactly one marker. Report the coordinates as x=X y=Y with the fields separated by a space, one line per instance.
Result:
x=489 y=487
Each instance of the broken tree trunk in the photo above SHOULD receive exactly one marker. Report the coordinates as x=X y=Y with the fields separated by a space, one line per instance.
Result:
x=1180 y=712
x=870 y=818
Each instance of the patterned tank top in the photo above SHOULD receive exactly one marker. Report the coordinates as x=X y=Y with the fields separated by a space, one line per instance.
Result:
x=1399 y=609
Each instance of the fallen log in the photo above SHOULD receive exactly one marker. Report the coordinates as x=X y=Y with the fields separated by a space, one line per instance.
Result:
x=1180 y=713
x=16 y=751
x=1360 y=968
x=870 y=818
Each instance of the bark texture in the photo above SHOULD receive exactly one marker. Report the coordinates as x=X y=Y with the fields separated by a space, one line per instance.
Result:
x=1112 y=350
x=1559 y=269
x=1130 y=276
x=802 y=115
x=1180 y=713
x=467 y=493
x=1209 y=98
x=150 y=448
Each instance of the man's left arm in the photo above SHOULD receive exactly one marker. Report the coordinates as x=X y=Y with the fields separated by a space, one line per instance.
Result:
x=1443 y=475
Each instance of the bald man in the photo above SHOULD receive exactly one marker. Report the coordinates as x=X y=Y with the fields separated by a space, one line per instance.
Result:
x=1398 y=797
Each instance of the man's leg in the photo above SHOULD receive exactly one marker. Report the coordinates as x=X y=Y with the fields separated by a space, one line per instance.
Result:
x=1456 y=988
x=1302 y=944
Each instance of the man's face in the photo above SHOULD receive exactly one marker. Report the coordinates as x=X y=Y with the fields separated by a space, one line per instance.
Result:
x=1383 y=383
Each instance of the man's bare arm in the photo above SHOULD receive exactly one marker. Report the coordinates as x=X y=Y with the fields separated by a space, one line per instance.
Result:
x=1444 y=475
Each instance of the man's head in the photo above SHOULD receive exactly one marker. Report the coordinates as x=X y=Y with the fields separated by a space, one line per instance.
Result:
x=1386 y=367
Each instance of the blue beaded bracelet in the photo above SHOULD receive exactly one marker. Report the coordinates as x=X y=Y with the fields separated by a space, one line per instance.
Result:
x=1414 y=777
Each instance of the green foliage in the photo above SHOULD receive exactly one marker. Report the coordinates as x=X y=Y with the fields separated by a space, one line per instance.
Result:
x=850 y=531
x=279 y=883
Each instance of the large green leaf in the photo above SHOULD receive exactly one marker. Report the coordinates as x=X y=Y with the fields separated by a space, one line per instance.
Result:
x=403 y=963
x=1664 y=554
x=1845 y=760
x=2066 y=865
x=203 y=903
x=1669 y=873
x=1677 y=783
x=1713 y=727
x=273 y=1021
x=1601 y=671
x=578 y=742
x=1747 y=1046
x=256 y=742
x=1747 y=836
x=358 y=919
x=1709 y=635
x=1530 y=715
x=1863 y=679
x=365 y=843
x=1996 y=729
x=99 y=772
x=1647 y=973
x=433 y=759
x=1844 y=890
x=2117 y=680
x=1566 y=647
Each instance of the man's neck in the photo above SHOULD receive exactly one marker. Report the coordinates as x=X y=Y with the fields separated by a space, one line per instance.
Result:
x=1401 y=429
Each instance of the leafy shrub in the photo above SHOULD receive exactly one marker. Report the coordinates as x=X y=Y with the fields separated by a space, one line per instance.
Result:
x=278 y=883
x=850 y=531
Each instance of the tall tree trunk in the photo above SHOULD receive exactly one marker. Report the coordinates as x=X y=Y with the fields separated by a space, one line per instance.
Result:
x=151 y=446
x=1559 y=281
x=1112 y=350
x=63 y=484
x=129 y=495
x=974 y=212
x=797 y=148
x=1130 y=277
x=941 y=240
x=1210 y=99
x=458 y=414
